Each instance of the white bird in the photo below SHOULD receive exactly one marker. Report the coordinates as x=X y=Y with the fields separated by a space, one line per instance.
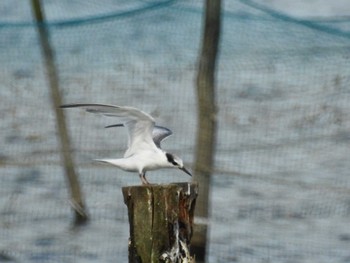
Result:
x=144 y=137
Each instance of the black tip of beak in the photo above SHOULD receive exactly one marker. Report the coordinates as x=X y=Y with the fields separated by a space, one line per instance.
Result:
x=186 y=171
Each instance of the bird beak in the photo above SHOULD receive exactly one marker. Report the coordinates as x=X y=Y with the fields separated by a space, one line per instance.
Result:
x=185 y=170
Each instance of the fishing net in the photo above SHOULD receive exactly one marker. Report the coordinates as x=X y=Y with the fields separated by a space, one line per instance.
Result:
x=280 y=190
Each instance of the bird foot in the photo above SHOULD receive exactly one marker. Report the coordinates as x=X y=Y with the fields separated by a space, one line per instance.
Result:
x=143 y=179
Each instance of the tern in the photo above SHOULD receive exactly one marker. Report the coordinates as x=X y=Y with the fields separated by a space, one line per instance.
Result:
x=144 y=152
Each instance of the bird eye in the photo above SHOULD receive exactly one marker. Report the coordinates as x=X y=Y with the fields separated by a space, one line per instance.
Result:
x=171 y=159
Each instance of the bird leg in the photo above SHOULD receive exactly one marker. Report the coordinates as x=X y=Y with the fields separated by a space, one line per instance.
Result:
x=143 y=178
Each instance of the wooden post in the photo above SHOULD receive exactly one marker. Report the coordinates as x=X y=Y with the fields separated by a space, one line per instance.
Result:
x=77 y=201
x=207 y=122
x=161 y=222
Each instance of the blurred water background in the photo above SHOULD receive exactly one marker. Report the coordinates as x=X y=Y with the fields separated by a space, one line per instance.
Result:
x=281 y=186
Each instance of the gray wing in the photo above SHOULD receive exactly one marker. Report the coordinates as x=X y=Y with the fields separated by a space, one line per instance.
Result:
x=159 y=133
x=124 y=112
x=139 y=124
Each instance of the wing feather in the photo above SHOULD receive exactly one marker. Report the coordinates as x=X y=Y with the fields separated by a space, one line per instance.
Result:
x=139 y=124
x=159 y=133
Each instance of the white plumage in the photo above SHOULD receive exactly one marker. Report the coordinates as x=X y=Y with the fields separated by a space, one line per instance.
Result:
x=144 y=138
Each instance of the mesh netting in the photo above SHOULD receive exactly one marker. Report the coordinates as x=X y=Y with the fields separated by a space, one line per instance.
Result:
x=280 y=190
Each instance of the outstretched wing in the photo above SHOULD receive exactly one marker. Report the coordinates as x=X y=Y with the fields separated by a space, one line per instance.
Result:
x=139 y=124
x=159 y=133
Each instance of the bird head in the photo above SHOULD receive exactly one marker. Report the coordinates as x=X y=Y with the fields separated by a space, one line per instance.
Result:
x=175 y=161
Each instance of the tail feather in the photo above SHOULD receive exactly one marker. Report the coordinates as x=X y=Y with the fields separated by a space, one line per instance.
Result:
x=109 y=161
x=123 y=164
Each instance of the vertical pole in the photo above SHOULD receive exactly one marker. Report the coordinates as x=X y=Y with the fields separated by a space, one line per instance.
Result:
x=48 y=54
x=205 y=145
x=160 y=218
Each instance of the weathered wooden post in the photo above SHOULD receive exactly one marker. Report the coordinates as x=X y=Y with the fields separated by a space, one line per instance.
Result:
x=207 y=122
x=161 y=222
x=77 y=201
